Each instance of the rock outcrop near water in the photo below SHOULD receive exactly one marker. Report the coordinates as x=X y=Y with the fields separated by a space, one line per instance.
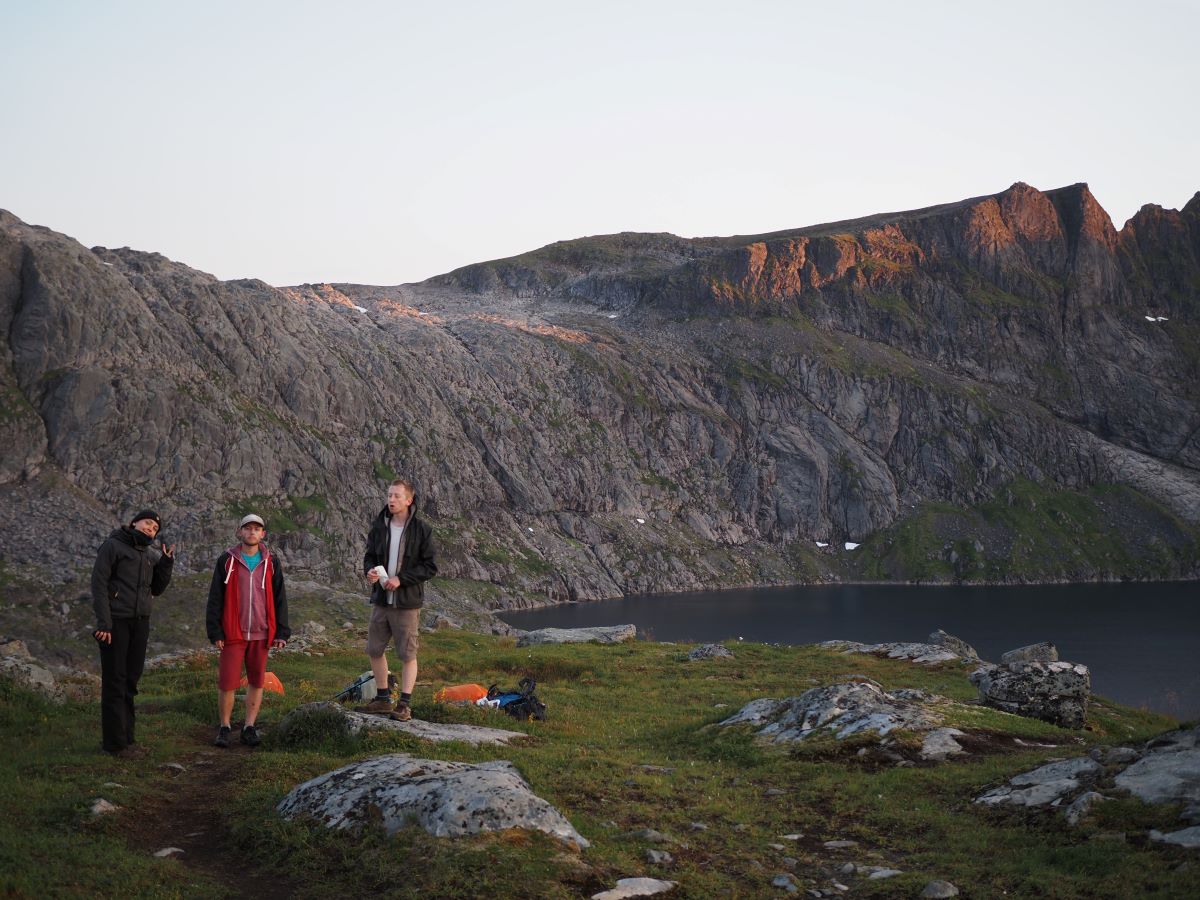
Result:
x=1003 y=388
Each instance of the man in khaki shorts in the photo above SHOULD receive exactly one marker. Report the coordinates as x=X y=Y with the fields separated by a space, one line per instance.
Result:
x=398 y=562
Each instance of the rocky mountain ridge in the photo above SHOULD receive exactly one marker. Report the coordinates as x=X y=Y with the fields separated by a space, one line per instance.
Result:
x=1000 y=389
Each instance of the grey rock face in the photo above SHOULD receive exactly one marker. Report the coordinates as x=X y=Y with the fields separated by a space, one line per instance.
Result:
x=750 y=396
x=846 y=708
x=1055 y=692
x=1044 y=652
x=601 y=634
x=445 y=798
x=350 y=722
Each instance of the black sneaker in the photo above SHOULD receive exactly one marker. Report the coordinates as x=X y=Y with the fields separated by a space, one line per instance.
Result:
x=222 y=736
x=250 y=736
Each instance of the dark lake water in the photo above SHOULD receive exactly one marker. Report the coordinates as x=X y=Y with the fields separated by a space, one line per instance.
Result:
x=1141 y=641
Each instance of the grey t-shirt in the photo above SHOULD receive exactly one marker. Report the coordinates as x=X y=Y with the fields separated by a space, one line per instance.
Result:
x=395 y=556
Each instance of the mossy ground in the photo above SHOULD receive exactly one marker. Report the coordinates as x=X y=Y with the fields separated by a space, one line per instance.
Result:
x=612 y=711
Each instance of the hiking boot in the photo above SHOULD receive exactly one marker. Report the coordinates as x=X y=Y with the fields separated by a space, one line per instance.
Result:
x=381 y=705
x=222 y=736
x=402 y=712
x=250 y=736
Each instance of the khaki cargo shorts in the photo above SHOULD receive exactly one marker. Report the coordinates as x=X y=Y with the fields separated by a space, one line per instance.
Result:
x=388 y=623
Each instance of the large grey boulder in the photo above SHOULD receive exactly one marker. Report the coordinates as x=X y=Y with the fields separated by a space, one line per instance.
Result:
x=1056 y=692
x=325 y=716
x=602 y=634
x=25 y=672
x=845 y=708
x=447 y=799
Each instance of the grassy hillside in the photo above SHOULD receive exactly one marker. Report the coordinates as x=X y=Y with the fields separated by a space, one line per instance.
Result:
x=613 y=711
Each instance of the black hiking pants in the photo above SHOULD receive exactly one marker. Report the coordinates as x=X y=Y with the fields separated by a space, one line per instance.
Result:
x=121 y=664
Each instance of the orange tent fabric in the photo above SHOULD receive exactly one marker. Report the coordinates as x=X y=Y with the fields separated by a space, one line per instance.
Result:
x=270 y=683
x=460 y=693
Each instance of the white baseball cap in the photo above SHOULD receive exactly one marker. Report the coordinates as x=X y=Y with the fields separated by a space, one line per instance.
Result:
x=251 y=519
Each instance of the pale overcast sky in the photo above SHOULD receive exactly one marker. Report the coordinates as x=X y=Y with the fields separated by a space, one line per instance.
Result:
x=384 y=142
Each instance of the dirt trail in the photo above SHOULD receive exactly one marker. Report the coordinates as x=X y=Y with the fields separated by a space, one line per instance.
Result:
x=190 y=815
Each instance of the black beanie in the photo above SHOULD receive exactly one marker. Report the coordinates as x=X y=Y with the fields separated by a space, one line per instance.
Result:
x=147 y=514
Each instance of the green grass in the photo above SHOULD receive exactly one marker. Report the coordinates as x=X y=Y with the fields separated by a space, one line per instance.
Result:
x=1036 y=532
x=611 y=710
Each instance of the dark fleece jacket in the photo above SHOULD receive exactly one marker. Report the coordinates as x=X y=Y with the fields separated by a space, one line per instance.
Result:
x=125 y=577
x=417 y=566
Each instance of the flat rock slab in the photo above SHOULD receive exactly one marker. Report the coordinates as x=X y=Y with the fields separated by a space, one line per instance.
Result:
x=926 y=654
x=439 y=732
x=636 y=887
x=1169 y=772
x=1045 y=784
x=447 y=799
x=940 y=743
x=1186 y=837
x=602 y=634
x=844 y=708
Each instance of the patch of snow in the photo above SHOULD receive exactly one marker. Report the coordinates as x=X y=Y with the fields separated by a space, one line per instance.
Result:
x=361 y=308
x=822 y=544
x=850 y=545
x=641 y=521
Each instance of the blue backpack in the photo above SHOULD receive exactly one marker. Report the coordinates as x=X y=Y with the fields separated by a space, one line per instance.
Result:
x=522 y=703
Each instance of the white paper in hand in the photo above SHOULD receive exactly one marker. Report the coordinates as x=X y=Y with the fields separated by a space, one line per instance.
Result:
x=381 y=572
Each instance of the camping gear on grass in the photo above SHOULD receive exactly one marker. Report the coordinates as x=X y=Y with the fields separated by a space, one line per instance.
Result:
x=363 y=690
x=521 y=704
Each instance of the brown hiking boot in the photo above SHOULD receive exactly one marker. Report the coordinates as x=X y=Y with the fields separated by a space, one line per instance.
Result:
x=380 y=705
x=402 y=712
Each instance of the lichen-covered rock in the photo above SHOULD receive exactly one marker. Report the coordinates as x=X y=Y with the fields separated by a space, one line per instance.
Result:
x=602 y=634
x=845 y=708
x=710 y=651
x=447 y=799
x=1056 y=692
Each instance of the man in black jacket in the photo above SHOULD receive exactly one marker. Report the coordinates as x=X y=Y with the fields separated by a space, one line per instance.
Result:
x=398 y=562
x=127 y=574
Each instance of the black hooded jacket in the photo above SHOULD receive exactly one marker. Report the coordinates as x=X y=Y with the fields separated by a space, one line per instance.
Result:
x=125 y=577
x=416 y=567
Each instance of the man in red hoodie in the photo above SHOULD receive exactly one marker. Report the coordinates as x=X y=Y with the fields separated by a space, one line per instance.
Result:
x=246 y=616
